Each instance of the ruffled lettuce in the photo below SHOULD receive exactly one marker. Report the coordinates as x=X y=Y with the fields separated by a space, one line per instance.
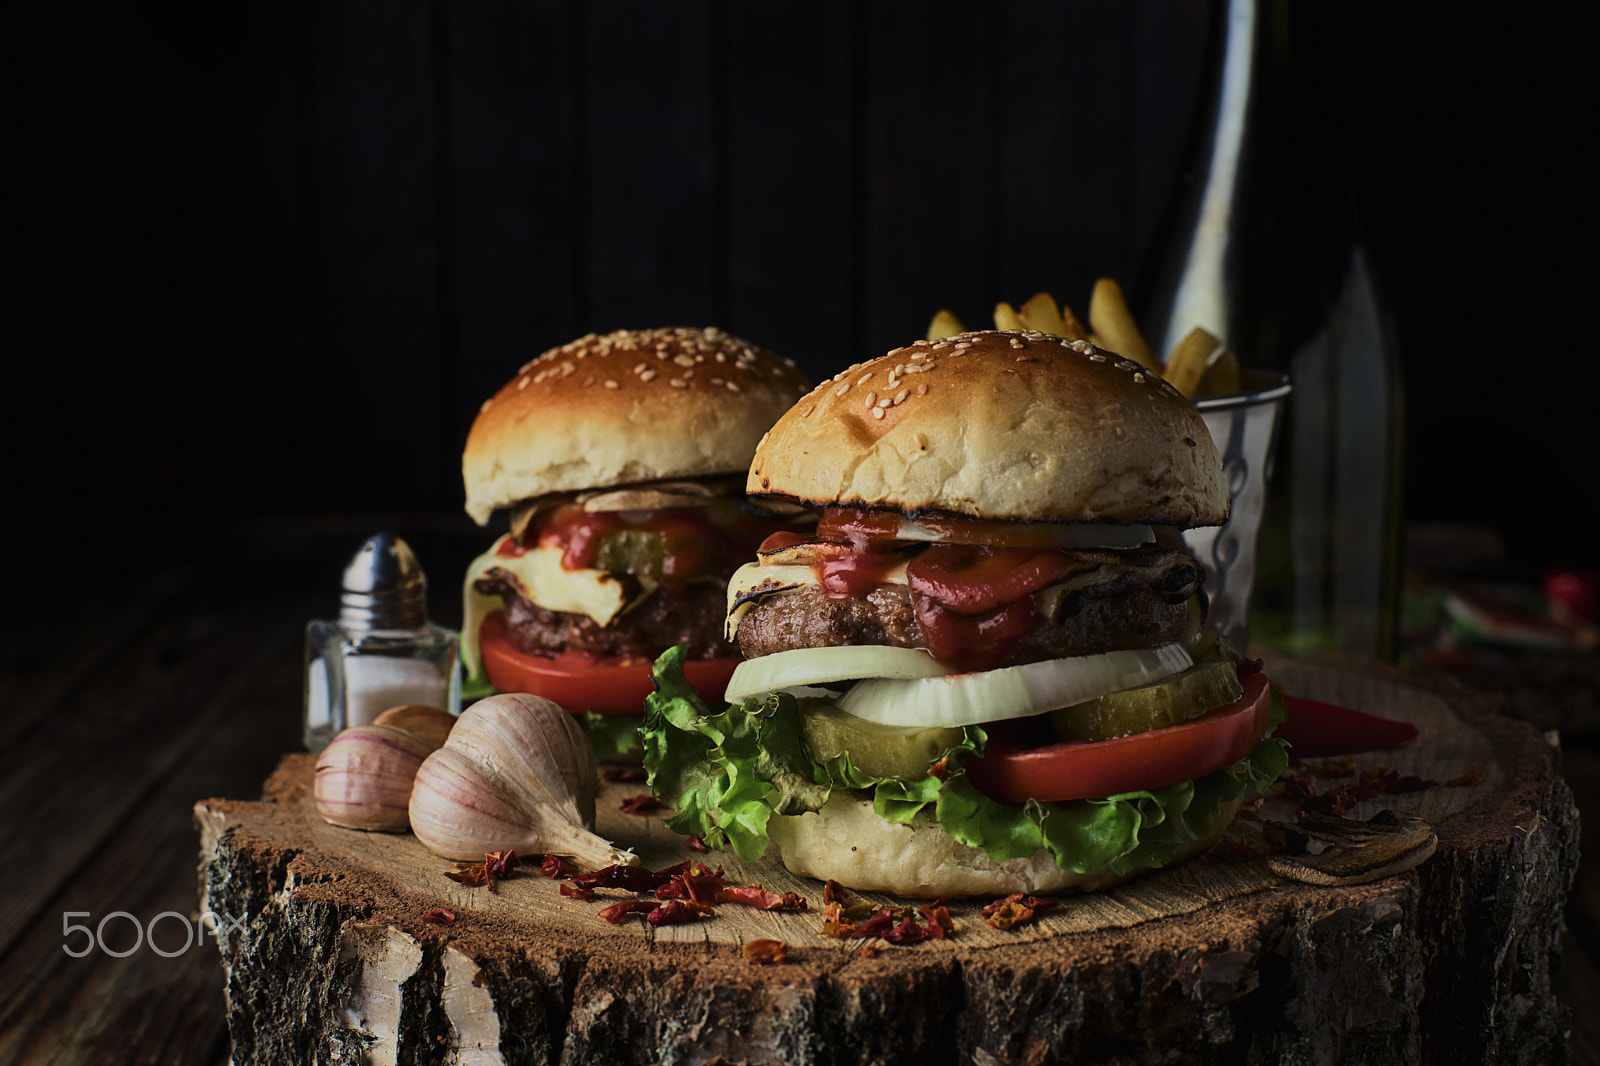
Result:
x=727 y=772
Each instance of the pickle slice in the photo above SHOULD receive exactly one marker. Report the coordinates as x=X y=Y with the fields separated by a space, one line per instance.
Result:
x=631 y=551
x=1189 y=695
x=903 y=752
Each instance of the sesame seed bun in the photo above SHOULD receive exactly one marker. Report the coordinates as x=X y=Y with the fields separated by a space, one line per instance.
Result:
x=1010 y=425
x=627 y=407
x=845 y=841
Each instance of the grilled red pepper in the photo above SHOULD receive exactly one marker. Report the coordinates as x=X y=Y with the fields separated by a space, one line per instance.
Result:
x=1317 y=730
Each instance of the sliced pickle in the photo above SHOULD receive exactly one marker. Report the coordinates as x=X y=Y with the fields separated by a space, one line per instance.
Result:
x=1194 y=692
x=631 y=551
x=904 y=752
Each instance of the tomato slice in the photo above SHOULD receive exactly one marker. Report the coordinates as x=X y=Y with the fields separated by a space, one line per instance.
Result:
x=1160 y=757
x=582 y=682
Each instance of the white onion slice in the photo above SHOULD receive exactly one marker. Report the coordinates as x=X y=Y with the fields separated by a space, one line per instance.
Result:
x=1011 y=691
x=799 y=667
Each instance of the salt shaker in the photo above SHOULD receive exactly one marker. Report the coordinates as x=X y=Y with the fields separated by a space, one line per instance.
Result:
x=381 y=651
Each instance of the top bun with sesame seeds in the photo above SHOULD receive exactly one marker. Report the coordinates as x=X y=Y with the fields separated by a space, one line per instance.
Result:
x=1002 y=425
x=622 y=458
x=627 y=407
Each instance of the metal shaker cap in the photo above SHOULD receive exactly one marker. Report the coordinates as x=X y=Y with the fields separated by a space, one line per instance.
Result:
x=384 y=587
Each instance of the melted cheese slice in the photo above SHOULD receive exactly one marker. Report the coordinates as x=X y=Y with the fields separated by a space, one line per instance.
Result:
x=543 y=580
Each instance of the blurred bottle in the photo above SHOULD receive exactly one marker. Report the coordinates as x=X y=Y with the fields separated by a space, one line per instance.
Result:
x=1259 y=244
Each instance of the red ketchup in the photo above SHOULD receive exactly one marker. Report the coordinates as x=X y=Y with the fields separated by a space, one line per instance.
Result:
x=974 y=602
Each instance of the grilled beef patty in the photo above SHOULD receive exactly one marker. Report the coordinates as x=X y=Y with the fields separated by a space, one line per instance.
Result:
x=692 y=616
x=1124 y=611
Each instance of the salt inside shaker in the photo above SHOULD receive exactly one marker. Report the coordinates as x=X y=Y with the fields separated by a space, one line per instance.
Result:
x=381 y=651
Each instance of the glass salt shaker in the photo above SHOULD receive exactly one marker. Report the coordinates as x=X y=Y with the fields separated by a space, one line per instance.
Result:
x=382 y=651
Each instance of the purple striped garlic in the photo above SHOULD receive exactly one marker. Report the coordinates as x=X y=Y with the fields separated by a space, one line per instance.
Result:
x=363 y=777
x=515 y=773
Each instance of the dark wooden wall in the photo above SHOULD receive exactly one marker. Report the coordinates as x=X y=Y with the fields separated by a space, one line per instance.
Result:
x=281 y=252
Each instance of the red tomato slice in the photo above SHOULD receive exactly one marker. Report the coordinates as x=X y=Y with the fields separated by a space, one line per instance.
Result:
x=1070 y=771
x=582 y=682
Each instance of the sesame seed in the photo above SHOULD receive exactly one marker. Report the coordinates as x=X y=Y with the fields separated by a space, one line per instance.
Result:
x=588 y=381
x=886 y=402
x=733 y=386
x=522 y=382
x=842 y=389
x=877 y=412
x=684 y=359
x=920 y=343
x=1096 y=357
x=872 y=398
x=640 y=368
x=922 y=390
x=1138 y=379
x=862 y=380
x=716 y=381
x=900 y=397
x=678 y=383
x=647 y=375
x=611 y=384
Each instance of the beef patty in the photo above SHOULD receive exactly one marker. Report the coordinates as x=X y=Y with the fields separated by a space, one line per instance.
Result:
x=1128 y=610
x=692 y=616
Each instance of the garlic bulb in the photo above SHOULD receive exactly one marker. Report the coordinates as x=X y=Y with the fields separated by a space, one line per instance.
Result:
x=431 y=725
x=516 y=772
x=363 y=777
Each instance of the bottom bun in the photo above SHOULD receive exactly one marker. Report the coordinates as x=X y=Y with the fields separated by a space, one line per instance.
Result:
x=847 y=842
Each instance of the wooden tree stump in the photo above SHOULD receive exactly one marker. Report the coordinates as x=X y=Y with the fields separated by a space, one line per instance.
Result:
x=329 y=958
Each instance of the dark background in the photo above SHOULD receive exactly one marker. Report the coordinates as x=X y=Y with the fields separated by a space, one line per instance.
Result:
x=273 y=256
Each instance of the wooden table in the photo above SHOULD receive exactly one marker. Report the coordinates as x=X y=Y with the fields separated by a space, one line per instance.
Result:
x=146 y=690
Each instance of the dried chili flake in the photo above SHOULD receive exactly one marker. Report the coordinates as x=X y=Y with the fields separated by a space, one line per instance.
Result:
x=497 y=866
x=470 y=874
x=582 y=892
x=1015 y=909
x=644 y=803
x=940 y=769
x=1370 y=785
x=760 y=898
x=557 y=868
x=697 y=845
x=765 y=951
x=631 y=878
x=439 y=916
x=937 y=915
x=618 y=913
x=628 y=774
x=678 y=911
x=697 y=883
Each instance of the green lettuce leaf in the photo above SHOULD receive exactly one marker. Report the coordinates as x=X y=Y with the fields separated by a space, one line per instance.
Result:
x=726 y=772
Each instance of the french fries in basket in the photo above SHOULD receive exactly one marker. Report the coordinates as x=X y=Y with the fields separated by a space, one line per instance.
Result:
x=1200 y=364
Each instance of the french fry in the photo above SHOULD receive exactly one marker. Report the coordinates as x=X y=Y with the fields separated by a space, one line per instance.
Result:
x=1188 y=360
x=944 y=325
x=1222 y=374
x=1005 y=317
x=1113 y=323
x=1040 y=313
x=1071 y=328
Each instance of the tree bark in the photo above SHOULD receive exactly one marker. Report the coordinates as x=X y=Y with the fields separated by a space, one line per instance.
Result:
x=328 y=956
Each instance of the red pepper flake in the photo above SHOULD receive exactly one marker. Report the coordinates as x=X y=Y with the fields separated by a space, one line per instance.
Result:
x=631 y=878
x=678 y=911
x=618 y=913
x=760 y=898
x=697 y=845
x=765 y=952
x=1370 y=785
x=577 y=892
x=1015 y=909
x=644 y=803
x=628 y=774
x=940 y=769
x=497 y=866
x=470 y=874
x=439 y=916
x=697 y=883
x=937 y=915
x=556 y=868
